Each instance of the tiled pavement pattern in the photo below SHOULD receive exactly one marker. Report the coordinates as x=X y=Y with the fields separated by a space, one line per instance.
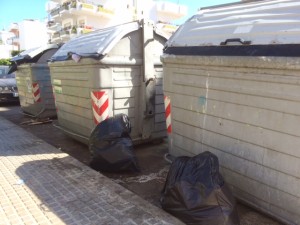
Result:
x=39 y=184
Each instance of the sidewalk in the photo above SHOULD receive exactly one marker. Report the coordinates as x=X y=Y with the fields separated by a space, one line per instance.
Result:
x=39 y=184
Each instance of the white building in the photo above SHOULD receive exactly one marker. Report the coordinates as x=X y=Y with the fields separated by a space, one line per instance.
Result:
x=6 y=47
x=21 y=36
x=32 y=33
x=69 y=18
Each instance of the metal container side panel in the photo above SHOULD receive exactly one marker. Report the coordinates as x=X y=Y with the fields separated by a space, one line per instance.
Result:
x=41 y=75
x=36 y=96
x=73 y=93
x=72 y=86
x=128 y=98
x=136 y=49
x=119 y=74
x=74 y=123
x=24 y=89
x=126 y=82
x=246 y=111
x=160 y=119
x=130 y=47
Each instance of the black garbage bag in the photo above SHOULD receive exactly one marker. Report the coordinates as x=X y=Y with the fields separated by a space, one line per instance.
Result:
x=195 y=192
x=111 y=146
x=113 y=127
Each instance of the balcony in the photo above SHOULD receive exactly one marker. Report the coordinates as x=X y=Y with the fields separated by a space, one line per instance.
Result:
x=108 y=13
x=55 y=12
x=55 y=37
x=61 y=35
x=65 y=34
x=62 y=10
x=86 y=8
x=13 y=41
x=80 y=8
x=53 y=26
x=168 y=11
x=69 y=32
x=169 y=28
x=56 y=34
x=84 y=30
x=73 y=5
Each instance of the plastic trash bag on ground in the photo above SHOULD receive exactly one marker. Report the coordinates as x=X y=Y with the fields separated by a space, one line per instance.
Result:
x=195 y=192
x=111 y=146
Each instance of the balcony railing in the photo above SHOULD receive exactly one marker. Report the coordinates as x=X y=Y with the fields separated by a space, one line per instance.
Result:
x=88 y=6
x=67 y=28
x=73 y=5
x=78 y=6
x=64 y=33
x=82 y=29
x=61 y=8
x=64 y=7
x=104 y=10
x=71 y=31
x=55 y=12
x=56 y=35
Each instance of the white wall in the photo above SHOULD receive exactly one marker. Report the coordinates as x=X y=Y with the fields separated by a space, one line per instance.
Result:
x=33 y=33
x=5 y=47
x=5 y=51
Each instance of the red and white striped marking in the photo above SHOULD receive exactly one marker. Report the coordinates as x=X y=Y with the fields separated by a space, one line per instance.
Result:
x=36 y=92
x=168 y=114
x=100 y=105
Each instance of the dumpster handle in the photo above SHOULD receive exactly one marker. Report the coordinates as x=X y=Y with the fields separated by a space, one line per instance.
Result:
x=235 y=40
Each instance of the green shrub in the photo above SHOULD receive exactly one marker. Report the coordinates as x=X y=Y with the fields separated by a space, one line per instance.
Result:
x=15 y=52
x=4 y=62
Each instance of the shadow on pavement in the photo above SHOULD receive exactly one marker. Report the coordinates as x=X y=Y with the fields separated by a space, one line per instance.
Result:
x=69 y=191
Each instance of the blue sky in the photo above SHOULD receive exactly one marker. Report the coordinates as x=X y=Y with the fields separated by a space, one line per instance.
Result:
x=17 y=10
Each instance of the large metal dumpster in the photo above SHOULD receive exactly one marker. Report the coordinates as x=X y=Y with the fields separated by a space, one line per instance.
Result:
x=232 y=87
x=111 y=71
x=33 y=81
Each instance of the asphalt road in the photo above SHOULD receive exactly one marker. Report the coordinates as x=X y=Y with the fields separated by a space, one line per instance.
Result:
x=147 y=184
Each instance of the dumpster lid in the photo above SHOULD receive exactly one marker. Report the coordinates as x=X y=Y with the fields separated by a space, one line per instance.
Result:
x=271 y=23
x=95 y=44
x=30 y=56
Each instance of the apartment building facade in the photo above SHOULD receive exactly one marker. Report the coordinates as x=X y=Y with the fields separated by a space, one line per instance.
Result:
x=69 y=18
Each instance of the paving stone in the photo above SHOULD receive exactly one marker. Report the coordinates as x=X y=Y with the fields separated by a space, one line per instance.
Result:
x=39 y=184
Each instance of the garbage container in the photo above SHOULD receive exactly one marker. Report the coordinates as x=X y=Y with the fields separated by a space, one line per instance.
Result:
x=108 y=72
x=33 y=81
x=232 y=87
